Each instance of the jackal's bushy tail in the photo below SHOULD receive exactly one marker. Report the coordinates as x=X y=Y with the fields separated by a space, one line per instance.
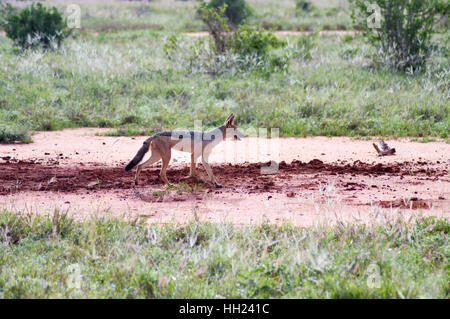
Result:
x=140 y=154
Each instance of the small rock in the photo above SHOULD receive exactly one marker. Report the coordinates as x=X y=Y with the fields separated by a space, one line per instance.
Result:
x=290 y=194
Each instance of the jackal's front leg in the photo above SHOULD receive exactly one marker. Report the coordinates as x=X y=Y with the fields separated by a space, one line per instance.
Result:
x=192 y=170
x=210 y=172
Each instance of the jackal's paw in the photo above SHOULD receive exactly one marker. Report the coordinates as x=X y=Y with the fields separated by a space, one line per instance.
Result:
x=136 y=183
x=218 y=185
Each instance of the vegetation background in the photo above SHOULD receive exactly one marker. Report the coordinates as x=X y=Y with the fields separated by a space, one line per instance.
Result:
x=117 y=72
x=133 y=67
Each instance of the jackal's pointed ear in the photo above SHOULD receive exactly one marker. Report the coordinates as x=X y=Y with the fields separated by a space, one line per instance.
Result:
x=230 y=120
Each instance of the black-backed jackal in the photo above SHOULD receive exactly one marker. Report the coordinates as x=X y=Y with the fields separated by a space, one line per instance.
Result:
x=198 y=143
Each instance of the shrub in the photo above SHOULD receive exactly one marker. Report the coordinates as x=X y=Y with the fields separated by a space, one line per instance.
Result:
x=244 y=50
x=244 y=40
x=170 y=46
x=256 y=46
x=248 y=41
x=406 y=26
x=36 y=26
x=304 y=5
x=237 y=11
x=217 y=24
x=12 y=133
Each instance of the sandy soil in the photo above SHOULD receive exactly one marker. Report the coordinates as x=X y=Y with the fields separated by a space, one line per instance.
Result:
x=318 y=179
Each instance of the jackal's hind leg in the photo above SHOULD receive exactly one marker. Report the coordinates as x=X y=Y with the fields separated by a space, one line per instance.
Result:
x=153 y=159
x=165 y=162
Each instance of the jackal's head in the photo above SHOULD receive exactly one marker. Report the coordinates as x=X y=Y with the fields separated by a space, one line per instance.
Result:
x=231 y=129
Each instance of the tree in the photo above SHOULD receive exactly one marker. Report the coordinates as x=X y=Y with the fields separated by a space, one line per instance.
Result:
x=237 y=11
x=401 y=30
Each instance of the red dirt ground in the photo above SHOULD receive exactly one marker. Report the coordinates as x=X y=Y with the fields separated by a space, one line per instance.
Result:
x=42 y=176
x=18 y=176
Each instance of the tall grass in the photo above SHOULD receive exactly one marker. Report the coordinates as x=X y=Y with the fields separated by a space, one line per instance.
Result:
x=57 y=257
x=125 y=80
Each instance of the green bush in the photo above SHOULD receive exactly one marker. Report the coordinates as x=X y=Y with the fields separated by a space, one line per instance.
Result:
x=13 y=133
x=258 y=44
x=405 y=30
x=237 y=11
x=245 y=49
x=36 y=26
x=247 y=41
x=304 y=5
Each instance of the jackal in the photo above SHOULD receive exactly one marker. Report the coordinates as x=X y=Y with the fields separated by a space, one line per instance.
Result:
x=198 y=143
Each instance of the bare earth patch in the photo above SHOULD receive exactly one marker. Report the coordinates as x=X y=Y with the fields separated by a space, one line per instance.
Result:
x=318 y=178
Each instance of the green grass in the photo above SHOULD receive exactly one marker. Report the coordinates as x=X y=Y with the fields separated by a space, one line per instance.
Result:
x=180 y=16
x=41 y=256
x=124 y=80
x=183 y=187
x=13 y=133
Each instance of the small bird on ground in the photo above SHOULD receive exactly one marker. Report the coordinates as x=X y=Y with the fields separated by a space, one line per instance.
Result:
x=385 y=149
